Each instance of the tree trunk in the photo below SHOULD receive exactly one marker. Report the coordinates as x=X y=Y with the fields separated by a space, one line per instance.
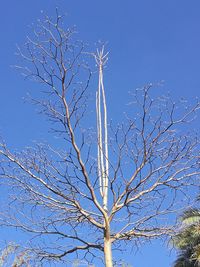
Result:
x=108 y=252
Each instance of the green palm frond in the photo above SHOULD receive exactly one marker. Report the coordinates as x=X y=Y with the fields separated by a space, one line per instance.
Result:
x=196 y=254
x=187 y=237
x=183 y=261
x=187 y=241
x=191 y=216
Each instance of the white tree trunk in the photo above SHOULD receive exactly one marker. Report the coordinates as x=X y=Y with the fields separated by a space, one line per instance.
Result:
x=102 y=148
x=102 y=130
x=108 y=252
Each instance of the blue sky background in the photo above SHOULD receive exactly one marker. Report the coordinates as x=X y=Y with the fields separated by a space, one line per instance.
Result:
x=149 y=41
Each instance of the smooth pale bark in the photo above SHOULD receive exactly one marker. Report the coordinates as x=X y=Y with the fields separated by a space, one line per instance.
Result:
x=102 y=150
x=108 y=252
x=107 y=244
x=102 y=130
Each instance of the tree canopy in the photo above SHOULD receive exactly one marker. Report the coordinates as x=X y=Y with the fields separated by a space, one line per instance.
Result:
x=97 y=189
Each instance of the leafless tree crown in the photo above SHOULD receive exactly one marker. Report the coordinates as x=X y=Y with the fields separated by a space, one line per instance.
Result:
x=95 y=193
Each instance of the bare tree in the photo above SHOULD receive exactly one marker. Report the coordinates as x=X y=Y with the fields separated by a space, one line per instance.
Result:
x=89 y=193
x=12 y=255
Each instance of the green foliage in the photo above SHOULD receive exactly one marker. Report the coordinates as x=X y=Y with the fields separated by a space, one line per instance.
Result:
x=188 y=239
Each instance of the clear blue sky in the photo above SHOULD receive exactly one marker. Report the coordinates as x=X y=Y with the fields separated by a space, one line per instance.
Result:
x=149 y=41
